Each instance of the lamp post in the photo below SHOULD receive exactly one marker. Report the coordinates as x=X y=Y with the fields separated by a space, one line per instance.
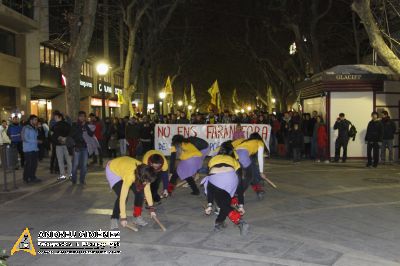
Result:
x=102 y=70
x=162 y=96
x=180 y=103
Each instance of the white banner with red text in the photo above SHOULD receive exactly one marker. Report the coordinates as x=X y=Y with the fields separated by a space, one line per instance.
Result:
x=214 y=134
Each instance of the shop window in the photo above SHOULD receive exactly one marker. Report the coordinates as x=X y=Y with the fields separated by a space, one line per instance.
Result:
x=52 y=61
x=57 y=58
x=41 y=54
x=47 y=55
x=61 y=59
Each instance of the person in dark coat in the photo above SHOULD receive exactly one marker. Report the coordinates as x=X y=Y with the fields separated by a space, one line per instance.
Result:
x=342 y=125
x=373 y=138
x=389 y=129
x=78 y=131
x=296 y=141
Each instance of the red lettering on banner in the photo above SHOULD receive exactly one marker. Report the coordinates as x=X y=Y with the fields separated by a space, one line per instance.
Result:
x=179 y=130
x=249 y=130
x=210 y=131
x=264 y=133
x=193 y=130
x=164 y=131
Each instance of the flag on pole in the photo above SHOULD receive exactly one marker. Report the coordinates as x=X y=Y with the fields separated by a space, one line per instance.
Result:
x=168 y=86
x=192 y=95
x=121 y=99
x=215 y=95
x=185 y=98
x=235 y=99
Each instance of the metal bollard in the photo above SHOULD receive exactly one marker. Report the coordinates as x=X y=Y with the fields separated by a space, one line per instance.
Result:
x=8 y=156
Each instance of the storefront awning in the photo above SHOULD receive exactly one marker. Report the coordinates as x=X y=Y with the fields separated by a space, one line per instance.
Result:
x=346 y=78
x=42 y=92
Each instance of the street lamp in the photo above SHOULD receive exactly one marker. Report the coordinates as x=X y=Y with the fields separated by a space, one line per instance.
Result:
x=249 y=108
x=180 y=103
x=162 y=96
x=273 y=100
x=190 y=107
x=102 y=70
x=242 y=111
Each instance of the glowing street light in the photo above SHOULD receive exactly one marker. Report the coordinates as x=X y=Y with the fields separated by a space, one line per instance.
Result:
x=180 y=103
x=102 y=70
x=162 y=95
x=242 y=110
x=249 y=108
x=190 y=107
x=273 y=100
x=236 y=111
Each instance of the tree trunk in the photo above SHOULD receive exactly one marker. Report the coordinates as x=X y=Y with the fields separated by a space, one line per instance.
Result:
x=356 y=39
x=81 y=24
x=146 y=78
x=362 y=8
x=128 y=89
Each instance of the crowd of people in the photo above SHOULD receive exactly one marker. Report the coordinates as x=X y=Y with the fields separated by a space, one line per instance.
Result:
x=236 y=165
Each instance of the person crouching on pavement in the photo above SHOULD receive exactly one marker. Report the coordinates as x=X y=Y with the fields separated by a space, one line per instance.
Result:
x=126 y=173
x=221 y=184
x=159 y=163
x=191 y=160
x=251 y=155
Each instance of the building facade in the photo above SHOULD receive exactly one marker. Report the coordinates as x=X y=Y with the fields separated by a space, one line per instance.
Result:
x=23 y=25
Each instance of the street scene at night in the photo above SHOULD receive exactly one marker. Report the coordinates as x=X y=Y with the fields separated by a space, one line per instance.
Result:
x=200 y=132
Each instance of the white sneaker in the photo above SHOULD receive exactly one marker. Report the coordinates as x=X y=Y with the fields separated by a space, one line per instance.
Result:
x=139 y=221
x=318 y=161
x=114 y=224
x=208 y=210
x=62 y=177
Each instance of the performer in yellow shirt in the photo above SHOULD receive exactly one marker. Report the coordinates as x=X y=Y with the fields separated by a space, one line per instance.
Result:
x=191 y=160
x=251 y=155
x=124 y=173
x=159 y=163
x=221 y=185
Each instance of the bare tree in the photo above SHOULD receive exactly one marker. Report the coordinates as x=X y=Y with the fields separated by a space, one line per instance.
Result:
x=133 y=12
x=81 y=25
x=363 y=9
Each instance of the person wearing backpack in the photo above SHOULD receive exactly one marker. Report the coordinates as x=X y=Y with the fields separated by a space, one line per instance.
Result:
x=389 y=129
x=342 y=125
x=373 y=138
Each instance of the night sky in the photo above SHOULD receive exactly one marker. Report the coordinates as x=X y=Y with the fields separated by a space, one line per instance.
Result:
x=209 y=35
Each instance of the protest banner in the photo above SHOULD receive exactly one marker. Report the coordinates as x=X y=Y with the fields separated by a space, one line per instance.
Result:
x=214 y=134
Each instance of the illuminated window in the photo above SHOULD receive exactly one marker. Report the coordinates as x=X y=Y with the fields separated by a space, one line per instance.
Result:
x=57 y=59
x=292 y=49
x=52 y=54
x=41 y=54
x=61 y=59
x=47 y=55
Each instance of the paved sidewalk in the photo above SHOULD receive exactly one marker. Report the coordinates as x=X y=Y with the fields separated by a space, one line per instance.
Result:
x=321 y=214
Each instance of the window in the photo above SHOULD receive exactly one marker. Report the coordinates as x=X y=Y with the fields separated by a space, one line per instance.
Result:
x=57 y=59
x=41 y=54
x=7 y=42
x=47 y=55
x=61 y=59
x=52 y=61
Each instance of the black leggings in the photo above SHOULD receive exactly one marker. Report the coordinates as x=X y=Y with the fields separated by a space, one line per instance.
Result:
x=223 y=200
x=139 y=198
x=189 y=180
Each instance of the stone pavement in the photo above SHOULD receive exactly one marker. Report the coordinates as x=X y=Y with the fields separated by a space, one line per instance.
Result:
x=334 y=214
